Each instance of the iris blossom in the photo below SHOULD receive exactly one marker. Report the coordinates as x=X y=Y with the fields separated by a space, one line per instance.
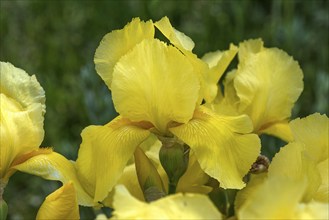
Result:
x=156 y=89
x=21 y=123
x=265 y=86
x=296 y=185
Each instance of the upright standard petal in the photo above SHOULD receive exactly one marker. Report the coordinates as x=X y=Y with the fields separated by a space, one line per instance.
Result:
x=177 y=206
x=177 y=38
x=218 y=62
x=268 y=85
x=53 y=166
x=117 y=43
x=104 y=153
x=221 y=144
x=22 y=112
x=155 y=83
x=61 y=204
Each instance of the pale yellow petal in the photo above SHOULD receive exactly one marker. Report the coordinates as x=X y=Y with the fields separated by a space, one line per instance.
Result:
x=255 y=182
x=218 y=62
x=292 y=163
x=119 y=42
x=322 y=194
x=21 y=159
x=221 y=144
x=61 y=204
x=313 y=210
x=22 y=112
x=155 y=83
x=248 y=48
x=277 y=198
x=104 y=153
x=194 y=179
x=281 y=130
x=268 y=85
x=175 y=37
x=177 y=206
x=53 y=166
x=313 y=131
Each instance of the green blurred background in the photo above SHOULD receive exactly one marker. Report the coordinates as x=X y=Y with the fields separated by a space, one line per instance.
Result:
x=56 y=41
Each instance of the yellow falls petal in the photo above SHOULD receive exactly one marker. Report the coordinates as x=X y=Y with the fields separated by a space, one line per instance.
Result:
x=268 y=85
x=221 y=145
x=155 y=83
x=177 y=38
x=104 y=153
x=117 y=43
x=177 y=206
x=21 y=159
x=22 y=101
x=61 y=204
x=313 y=131
x=53 y=166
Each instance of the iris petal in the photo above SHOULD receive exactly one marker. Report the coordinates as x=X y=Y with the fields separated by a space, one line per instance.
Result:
x=21 y=115
x=104 y=153
x=155 y=83
x=177 y=38
x=53 y=166
x=61 y=204
x=177 y=206
x=117 y=43
x=221 y=145
x=268 y=85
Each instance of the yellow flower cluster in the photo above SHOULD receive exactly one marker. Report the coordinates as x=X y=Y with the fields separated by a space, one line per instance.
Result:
x=179 y=136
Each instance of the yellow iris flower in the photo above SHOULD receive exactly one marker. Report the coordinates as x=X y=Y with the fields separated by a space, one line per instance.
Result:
x=157 y=88
x=296 y=185
x=265 y=86
x=21 y=123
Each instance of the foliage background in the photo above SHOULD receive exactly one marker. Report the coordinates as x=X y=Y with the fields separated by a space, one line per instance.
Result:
x=56 y=41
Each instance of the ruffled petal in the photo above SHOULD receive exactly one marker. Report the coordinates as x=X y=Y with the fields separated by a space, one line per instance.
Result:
x=218 y=62
x=155 y=83
x=322 y=194
x=104 y=153
x=22 y=112
x=268 y=85
x=177 y=206
x=53 y=166
x=61 y=204
x=313 y=131
x=177 y=38
x=277 y=198
x=221 y=145
x=117 y=43
x=248 y=48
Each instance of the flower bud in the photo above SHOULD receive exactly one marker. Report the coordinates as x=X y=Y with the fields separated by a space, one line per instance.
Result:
x=148 y=177
x=174 y=157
